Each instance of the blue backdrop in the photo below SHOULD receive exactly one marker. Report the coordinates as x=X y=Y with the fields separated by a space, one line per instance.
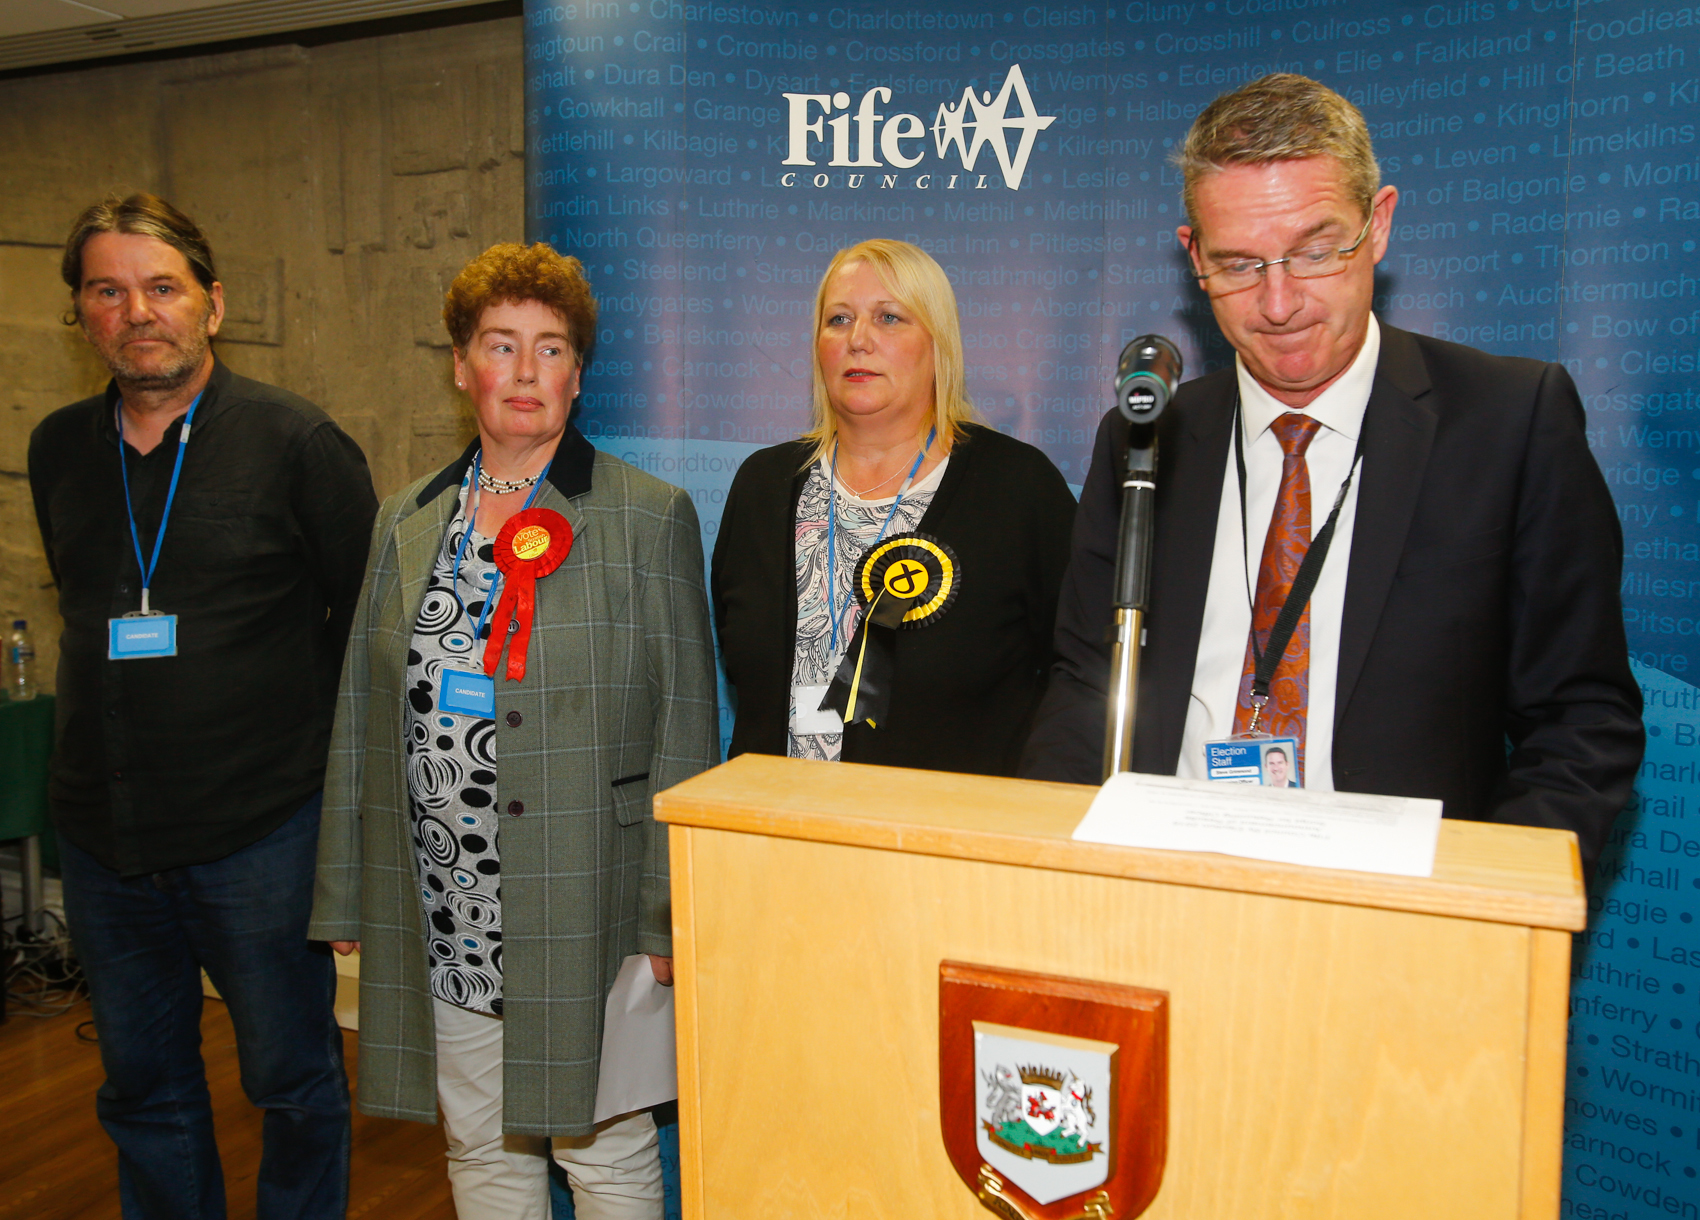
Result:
x=706 y=159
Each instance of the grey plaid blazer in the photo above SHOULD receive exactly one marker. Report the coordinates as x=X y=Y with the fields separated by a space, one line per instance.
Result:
x=618 y=702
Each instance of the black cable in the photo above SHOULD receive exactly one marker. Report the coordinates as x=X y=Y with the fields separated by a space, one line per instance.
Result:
x=43 y=977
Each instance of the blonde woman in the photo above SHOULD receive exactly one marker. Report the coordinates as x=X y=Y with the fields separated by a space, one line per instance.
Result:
x=898 y=508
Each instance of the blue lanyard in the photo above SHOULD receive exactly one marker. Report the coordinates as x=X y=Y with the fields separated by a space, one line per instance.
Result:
x=832 y=532
x=124 y=468
x=465 y=534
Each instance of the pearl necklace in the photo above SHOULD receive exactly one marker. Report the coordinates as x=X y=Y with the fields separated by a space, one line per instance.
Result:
x=503 y=487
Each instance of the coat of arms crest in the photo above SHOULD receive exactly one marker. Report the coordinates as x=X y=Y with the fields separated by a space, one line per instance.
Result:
x=1054 y=1092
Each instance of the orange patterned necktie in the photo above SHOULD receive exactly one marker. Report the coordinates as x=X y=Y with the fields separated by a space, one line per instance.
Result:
x=1284 y=550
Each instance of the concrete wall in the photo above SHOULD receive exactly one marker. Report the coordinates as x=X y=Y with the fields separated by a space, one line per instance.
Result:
x=342 y=187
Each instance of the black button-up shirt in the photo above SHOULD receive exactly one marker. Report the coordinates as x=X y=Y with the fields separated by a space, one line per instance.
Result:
x=170 y=761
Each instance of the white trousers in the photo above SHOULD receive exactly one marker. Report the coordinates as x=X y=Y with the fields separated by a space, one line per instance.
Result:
x=615 y=1172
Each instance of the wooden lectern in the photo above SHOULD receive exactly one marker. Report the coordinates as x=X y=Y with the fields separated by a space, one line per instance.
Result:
x=1342 y=1045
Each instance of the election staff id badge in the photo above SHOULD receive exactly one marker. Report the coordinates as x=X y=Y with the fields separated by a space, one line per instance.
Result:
x=141 y=635
x=1256 y=759
x=467 y=694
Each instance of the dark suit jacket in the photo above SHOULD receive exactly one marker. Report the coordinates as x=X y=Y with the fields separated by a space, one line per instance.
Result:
x=1482 y=653
x=967 y=686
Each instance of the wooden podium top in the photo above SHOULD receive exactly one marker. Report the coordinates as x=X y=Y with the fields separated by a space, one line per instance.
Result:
x=1504 y=874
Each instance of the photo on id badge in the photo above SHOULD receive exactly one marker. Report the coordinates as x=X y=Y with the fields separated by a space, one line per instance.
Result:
x=1271 y=762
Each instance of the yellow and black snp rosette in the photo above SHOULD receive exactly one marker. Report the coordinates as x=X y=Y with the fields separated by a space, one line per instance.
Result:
x=905 y=582
x=915 y=569
x=530 y=546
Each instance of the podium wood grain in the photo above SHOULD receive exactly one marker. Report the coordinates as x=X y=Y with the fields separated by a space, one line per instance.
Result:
x=1342 y=1045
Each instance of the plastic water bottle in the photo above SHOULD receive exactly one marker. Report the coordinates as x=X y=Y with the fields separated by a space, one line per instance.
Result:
x=20 y=662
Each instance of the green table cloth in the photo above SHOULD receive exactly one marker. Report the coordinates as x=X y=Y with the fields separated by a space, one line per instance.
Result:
x=26 y=741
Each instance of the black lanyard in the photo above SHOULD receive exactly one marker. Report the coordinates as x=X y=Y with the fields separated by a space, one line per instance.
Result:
x=1267 y=659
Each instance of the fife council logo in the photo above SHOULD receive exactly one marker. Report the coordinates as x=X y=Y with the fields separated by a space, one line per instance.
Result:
x=1007 y=124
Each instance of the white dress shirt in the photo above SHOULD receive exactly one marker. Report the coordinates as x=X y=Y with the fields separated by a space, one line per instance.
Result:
x=1234 y=562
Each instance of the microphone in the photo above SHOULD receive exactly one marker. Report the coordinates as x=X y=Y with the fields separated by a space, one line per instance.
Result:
x=1146 y=378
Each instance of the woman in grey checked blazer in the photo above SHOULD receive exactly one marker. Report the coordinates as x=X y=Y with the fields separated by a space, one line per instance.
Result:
x=493 y=852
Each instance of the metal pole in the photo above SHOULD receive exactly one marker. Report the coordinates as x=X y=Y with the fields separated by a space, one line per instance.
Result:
x=32 y=888
x=1129 y=595
x=1124 y=691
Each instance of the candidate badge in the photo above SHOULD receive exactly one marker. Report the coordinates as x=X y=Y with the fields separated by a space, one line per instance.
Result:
x=136 y=636
x=531 y=545
x=913 y=568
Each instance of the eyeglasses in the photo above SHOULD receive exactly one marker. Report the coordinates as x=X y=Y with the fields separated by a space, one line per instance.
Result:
x=1309 y=264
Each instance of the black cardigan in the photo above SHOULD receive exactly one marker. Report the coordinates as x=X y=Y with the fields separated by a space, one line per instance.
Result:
x=967 y=686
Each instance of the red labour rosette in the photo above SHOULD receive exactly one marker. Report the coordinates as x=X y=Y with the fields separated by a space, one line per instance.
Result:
x=531 y=545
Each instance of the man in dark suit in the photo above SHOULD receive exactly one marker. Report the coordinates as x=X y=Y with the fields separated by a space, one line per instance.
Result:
x=1464 y=639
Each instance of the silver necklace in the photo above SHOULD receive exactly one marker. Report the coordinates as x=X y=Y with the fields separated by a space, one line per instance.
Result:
x=503 y=487
x=863 y=494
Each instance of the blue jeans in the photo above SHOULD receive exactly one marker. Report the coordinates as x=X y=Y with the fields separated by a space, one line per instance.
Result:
x=143 y=942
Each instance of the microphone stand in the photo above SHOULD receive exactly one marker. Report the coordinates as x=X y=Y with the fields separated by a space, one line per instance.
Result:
x=1146 y=378
x=1129 y=595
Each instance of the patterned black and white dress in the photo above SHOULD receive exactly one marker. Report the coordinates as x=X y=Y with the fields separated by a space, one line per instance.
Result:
x=859 y=524
x=451 y=781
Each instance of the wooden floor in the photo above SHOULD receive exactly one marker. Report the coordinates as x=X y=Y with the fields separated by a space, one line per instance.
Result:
x=57 y=1164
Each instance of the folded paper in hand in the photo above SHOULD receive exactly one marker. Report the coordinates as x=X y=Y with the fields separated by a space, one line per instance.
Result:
x=638 y=1067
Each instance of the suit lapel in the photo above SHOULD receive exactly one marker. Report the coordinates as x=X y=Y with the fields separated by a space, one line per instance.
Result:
x=560 y=593
x=1398 y=436
x=419 y=535
x=417 y=538
x=1191 y=459
x=593 y=584
x=552 y=497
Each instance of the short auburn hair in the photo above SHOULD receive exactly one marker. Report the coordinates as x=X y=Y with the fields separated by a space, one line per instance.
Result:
x=1279 y=117
x=511 y=274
